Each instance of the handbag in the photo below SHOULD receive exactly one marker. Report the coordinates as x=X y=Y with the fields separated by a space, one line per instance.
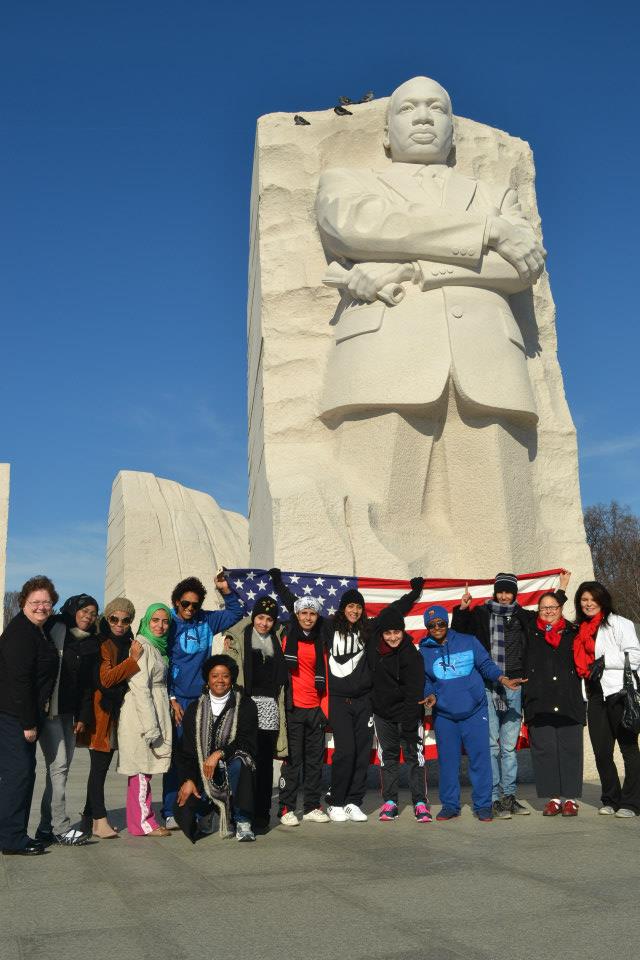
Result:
x=631 y=702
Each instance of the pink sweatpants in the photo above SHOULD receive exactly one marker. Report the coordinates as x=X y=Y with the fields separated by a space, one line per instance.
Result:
x=140 y=816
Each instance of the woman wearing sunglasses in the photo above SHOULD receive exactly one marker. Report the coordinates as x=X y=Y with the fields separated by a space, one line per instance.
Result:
x=118 y=662
x=190 y=643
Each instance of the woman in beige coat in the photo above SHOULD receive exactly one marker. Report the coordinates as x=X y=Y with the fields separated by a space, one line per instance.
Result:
x=144 y=729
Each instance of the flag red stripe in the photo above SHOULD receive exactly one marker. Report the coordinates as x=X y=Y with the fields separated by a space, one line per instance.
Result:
x=377 y=583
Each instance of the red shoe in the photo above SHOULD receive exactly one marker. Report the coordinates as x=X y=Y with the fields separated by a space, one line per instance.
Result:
x=569 y=808
x=552 y=809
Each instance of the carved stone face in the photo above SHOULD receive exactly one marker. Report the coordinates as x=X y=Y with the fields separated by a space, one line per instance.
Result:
x=420 y=122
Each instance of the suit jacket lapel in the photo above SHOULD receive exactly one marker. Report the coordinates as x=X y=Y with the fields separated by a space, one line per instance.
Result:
x=459 y=190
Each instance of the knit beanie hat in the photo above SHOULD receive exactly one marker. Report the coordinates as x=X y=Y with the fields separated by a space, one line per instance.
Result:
x=308 y=603
x=265 y=604
x=507 y=582
x=435 y=613
x=390 y=619
x=122 y=605
x=351 y=596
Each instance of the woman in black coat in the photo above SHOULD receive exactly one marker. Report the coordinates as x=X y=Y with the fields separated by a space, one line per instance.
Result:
x=554 y=709
x=73 y=632
x=216 y=759
x=28 y=669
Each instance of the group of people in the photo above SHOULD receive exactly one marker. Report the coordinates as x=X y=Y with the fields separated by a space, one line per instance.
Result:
x=213 y=725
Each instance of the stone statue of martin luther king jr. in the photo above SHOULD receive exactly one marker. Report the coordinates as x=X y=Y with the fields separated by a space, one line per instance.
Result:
x=426 y=387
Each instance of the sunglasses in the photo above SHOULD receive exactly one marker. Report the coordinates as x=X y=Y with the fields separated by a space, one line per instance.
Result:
x=437 y=624
x=114 y=621
x=185 y=604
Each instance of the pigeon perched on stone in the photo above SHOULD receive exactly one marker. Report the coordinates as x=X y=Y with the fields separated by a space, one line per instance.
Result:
x=366 y=97
x=345 y=101
x=342 y=111
x=300 y=121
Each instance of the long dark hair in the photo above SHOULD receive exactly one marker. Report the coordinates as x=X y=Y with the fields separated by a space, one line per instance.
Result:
x=601 y=596
x=344 y=626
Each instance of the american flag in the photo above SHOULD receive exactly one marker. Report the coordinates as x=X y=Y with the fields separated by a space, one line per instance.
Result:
x=378 y=593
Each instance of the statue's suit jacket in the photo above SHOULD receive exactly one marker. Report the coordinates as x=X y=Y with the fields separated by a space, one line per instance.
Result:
x=455 y=319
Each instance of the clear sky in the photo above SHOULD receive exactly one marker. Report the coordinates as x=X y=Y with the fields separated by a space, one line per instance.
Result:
x=126 y=144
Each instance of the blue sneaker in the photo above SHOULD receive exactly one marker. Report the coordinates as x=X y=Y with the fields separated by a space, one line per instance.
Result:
x=484 y=814
x=447 y=813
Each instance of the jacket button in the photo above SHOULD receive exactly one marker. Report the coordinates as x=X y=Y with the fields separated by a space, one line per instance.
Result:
x=455 y=251
x=456 y=311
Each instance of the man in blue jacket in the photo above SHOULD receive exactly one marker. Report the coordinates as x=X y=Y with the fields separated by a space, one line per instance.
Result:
x=190 y=640
x=456 y=666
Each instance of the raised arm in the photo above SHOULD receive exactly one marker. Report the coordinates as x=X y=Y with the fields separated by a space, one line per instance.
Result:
x=403 y=604
x=284 y=594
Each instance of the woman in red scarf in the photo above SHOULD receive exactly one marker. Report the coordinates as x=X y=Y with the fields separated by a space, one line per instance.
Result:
x=600 y=646
x=554 y=709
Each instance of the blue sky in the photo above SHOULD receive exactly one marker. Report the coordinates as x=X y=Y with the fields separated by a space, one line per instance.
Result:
x=126 y=145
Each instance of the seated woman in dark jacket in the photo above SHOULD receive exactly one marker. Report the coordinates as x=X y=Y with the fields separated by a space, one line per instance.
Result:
x=216 y=759
x=554 y=709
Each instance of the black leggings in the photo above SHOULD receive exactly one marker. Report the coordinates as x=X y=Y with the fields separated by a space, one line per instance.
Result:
x=100 y=763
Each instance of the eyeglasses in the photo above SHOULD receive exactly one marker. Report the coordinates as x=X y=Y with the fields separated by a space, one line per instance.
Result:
x=45 y=604
x=185 y=604
x=114 y=621
x=437 y=624
x=549 y=609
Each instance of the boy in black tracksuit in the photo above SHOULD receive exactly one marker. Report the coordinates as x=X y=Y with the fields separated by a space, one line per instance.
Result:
x=397 y=671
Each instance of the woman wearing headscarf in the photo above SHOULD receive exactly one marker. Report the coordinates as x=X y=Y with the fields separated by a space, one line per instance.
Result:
x=118 y=662
x=216 y=758
x=73 y=632
x=144 y=726
x=554 y=708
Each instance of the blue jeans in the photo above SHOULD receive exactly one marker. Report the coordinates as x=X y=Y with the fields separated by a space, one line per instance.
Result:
x=504 y=730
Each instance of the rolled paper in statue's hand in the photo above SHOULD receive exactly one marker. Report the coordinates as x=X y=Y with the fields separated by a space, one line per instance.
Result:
x=338 y=276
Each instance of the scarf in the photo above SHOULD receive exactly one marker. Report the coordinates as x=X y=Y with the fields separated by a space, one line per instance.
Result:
x=111 y=697
x=262 y=644
x=383 y=647
x=216 y=733
x=552 y=631
x=584 y=645
x=144 y=630
x=291 y=652
x=71 y=606
x=497 y=613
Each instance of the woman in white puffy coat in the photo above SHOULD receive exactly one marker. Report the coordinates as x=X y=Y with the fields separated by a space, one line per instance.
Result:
x=144 y=727
x=599 y=649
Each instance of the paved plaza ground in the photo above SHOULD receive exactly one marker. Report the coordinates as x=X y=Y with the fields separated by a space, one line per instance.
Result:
x=530 y=887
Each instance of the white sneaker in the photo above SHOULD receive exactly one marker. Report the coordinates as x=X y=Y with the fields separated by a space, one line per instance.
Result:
x=289 y=819
x=170 y=823
x=606 y=811
x=316 y=816
x=354 y=812
x=337 y=814
x=625 y=812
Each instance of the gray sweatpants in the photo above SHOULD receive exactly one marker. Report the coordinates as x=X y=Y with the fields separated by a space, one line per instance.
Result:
x=57 y=742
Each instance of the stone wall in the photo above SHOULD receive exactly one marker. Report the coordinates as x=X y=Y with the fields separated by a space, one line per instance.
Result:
x=160 y=532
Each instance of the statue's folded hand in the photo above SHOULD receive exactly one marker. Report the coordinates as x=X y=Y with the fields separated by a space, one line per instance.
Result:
x=516 y=244
x=366 y=280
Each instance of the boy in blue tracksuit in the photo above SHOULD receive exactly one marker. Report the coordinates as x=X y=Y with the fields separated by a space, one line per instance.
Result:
x=456 y=666
x=190 y=638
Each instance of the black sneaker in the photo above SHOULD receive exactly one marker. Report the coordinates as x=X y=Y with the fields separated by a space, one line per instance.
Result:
x=500 y=810
x=45 y=836
x=515 y=807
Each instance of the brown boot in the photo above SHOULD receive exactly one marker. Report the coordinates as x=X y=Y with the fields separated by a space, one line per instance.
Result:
x=103 y=829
